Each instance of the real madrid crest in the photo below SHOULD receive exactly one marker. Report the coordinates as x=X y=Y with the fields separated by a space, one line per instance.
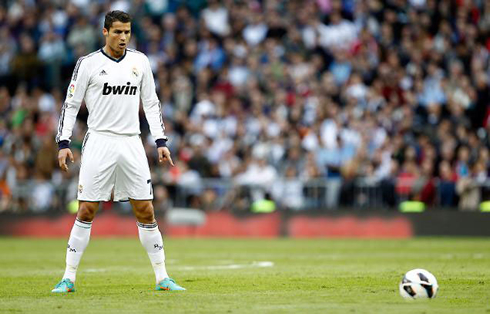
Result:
x=135 y=72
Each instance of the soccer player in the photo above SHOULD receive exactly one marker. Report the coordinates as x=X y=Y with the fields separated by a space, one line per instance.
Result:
x=112 y=81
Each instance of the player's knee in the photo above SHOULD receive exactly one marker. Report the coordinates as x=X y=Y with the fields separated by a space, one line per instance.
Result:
x=145 y=214
x=86 y=211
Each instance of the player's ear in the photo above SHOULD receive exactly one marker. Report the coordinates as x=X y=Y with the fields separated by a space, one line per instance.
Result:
x=105 y=32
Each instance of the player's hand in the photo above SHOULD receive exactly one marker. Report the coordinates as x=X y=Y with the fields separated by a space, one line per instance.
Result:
x=164 y=155
x=63 y=154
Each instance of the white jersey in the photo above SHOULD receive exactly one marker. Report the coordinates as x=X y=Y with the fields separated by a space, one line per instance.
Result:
x=112 y=89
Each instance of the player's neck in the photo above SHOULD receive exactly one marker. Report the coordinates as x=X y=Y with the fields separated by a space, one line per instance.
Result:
x=112 y=53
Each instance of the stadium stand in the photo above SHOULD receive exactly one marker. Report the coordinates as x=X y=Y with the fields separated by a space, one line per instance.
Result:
x=321 y=104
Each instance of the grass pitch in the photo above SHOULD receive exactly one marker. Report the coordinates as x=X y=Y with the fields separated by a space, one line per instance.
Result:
x=247 y=276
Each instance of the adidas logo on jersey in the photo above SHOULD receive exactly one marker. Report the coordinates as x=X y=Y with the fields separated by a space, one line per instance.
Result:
x=103 y=72
x=119 y=90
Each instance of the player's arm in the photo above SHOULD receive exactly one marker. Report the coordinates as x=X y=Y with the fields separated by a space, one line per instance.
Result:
x=153 y=112
x=69 y=111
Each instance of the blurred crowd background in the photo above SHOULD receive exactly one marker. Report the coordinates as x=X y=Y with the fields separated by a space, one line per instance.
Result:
x=310 y=104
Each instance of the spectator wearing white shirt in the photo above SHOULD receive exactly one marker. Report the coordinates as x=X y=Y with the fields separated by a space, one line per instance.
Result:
x=255 y=32
x=216 y=18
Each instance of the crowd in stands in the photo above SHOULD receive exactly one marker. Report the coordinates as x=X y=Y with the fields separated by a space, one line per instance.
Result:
x=272 y=95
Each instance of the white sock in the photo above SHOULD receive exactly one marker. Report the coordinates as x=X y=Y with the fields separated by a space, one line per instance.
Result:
x=152 y=241
x=79 y=237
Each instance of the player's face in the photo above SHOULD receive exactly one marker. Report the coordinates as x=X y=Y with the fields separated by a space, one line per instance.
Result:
x=117 y=37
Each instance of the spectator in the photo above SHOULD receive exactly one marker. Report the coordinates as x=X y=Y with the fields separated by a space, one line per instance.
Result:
x=82 y=35
x=51 y=53
x=288 y=193
x=26 y=64
x=447 y=187
x=216 y=18
x=255 y=32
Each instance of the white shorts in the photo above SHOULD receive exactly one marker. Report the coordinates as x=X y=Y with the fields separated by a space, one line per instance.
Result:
x=113 y=167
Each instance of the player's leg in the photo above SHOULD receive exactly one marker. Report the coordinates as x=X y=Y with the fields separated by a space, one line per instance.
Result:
x=150 y=236
x=79 y=237
x=96 y=181
x=133 y=182
x=77 y=243
x=152 y=241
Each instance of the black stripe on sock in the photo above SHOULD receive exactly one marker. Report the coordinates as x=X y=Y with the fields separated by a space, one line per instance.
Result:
x=147 y=226
x=84 y=222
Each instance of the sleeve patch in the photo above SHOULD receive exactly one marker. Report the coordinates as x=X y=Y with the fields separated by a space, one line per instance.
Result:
x=71 y=90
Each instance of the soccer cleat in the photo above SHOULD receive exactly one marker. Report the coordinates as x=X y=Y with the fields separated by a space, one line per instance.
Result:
x=169 y=285
x=65 y=285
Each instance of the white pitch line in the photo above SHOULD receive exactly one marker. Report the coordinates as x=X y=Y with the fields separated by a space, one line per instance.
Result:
x=231 y=266
x=95 y=270
x=261 y=264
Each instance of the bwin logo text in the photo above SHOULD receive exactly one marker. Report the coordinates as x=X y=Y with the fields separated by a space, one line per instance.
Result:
x=119 y=90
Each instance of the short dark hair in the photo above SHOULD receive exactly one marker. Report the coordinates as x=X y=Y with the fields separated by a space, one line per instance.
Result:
x=116 y=15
